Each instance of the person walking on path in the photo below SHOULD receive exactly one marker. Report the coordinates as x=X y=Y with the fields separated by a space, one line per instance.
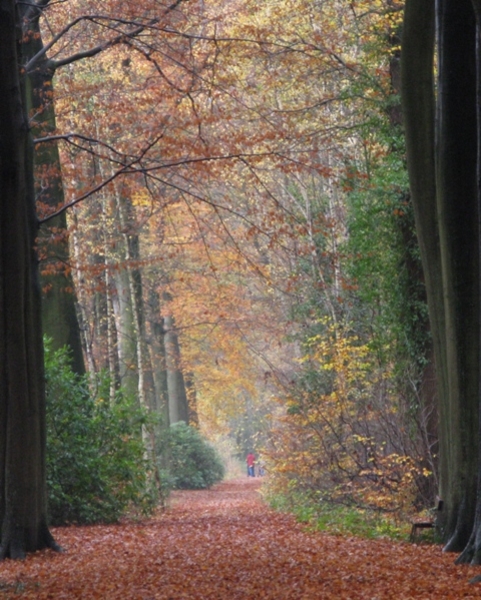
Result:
x=251 y=462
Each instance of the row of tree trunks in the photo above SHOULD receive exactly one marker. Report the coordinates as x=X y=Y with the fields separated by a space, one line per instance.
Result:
x=148 y=361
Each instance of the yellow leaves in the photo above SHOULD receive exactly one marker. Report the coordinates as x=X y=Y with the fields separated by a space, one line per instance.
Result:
x=332 y=437
x=141 y=198
x=339 y=353
x=217 y=258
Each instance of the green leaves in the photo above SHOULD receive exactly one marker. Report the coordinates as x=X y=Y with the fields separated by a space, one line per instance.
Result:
x=193 y=463
x=95 y=456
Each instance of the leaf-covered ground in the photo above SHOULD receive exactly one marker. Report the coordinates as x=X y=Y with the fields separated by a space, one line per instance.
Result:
x=224 y=544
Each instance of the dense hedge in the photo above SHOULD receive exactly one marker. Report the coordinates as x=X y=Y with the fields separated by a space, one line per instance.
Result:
x=95 y=456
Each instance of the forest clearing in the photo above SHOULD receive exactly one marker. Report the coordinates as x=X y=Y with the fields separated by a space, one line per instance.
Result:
x=226 y=544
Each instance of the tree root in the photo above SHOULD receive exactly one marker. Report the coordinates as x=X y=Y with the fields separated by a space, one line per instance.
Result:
x=18 y=541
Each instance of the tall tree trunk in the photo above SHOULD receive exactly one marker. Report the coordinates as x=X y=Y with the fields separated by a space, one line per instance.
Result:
x=86 y=327
x=458 y=227
x=23 y=503
x=191 y=394
x=59 y=314
x=136 y=301
x=415 y=321
x=112 y=343
x=146 y=388
x=443 y=187
x=418 y=103
x=472 y=552
x=178 y=403
x=157 y=358
x=127 y=341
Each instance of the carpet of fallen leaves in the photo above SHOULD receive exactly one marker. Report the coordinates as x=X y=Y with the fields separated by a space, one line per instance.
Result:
x=225 y=544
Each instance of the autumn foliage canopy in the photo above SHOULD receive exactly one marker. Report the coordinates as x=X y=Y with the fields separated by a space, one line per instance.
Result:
x=241 y=241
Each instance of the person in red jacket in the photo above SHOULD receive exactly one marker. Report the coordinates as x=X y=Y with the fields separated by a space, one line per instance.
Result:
x=251 y=463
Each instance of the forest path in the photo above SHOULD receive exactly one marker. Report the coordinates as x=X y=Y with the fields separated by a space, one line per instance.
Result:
x=225 y=544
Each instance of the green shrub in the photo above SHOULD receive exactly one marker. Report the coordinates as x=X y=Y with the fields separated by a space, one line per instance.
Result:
x=95 y=456
x=193 y=463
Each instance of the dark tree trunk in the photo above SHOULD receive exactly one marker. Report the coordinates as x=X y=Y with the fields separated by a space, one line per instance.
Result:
x=472 y=552
x=458 y=227
x=418 y=103
x=23 y=503
x=59 y=314
x=415 y=321
x=445 y=199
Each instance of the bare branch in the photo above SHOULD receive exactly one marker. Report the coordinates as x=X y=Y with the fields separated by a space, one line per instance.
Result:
x=121 y=38
x=54 y=64
x=68 y=137
x=129 y=168
x=31 y=63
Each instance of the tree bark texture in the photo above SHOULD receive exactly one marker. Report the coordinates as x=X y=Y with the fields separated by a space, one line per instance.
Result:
x=442 y=164
x=59 y=314
x=23 y=503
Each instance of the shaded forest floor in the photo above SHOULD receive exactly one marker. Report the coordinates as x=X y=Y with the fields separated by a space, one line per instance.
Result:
x=224 y=544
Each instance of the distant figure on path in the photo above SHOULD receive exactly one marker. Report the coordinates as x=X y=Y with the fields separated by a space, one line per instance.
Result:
x=251 y=462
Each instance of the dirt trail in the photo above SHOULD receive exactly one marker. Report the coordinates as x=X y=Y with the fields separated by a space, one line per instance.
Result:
x=224 y=544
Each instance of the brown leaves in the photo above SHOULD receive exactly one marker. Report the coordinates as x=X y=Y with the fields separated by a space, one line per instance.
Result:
x=224 y=544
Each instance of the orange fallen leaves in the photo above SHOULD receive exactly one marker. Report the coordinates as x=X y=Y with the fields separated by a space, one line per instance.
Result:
x=224 y=544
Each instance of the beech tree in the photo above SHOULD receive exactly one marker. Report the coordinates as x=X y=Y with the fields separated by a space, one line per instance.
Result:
x=244 y=147
x=444 y=179
x=58 y=299
x=23 y=502
x=42 y=61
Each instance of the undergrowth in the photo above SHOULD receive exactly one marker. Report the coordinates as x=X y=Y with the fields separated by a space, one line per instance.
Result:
x=338 y=519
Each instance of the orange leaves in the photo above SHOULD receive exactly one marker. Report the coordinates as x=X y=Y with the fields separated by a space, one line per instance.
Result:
x=237 y=122
x=225 y=544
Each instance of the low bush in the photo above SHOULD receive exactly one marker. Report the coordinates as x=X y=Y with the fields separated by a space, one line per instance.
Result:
x=95 y=456
x=192 y=462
